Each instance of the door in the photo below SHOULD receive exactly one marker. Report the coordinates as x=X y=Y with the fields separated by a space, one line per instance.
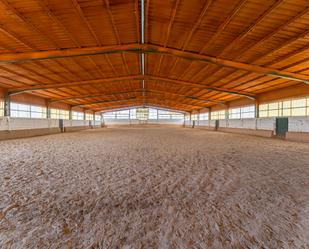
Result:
x=282 y=126
x=61 y=125
x=217 y=125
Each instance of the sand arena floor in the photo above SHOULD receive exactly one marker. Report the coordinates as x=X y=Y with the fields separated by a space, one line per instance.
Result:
x=153 y=188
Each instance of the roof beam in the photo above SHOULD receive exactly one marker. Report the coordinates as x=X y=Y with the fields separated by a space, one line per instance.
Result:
x=187 y=97
x=87 y=96
x=202 y=86
x=228 y=63
x=149 y=105
x=191 y=106
x=151 y=49
x=72 y=84
x=135 y=91
x=18 y=90
x=64 y=53
x=116 y=107
x=106 y=101
x=223 y=25
x=136 y=99
x=160 y=93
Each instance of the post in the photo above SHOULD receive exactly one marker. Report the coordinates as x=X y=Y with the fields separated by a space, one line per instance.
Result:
x=157 y=116
x=209 y=116
x=7 y=103
x=227 y=116
x=101 y=119
x=257 y=109
x=93 y=119
x=129 y=116
x=227 y=113
x=70 y=113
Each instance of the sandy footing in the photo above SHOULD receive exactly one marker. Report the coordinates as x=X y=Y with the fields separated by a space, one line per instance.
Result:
x=153 y=188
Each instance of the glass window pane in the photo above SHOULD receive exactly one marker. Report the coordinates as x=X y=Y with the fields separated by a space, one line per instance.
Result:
x=273 y=113
x=263 y=114
x=286 y=104
x=299 y=103
x=14 y=106
x=36 y=115
x=273 y=106
x=286 y=112
x=263 y=107
x=299 y=111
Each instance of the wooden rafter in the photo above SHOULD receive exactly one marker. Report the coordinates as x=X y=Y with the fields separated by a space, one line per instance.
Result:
x=126 y=78
x=107 y=4
x=152 y=49
x=247 y=31
x=160 y=100
x=23 y=19
x=167 y=34
x=86 y=96
x=252 y=26
x=107 y=101
x=224 y=24
x=137 y=105
x=254 y=48
x=136 y=98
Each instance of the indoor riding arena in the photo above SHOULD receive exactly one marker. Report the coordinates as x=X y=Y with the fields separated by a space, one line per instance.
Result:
x=154 y=124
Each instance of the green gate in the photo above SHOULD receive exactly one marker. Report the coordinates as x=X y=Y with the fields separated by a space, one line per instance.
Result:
x=282 y=126
x=217 y=125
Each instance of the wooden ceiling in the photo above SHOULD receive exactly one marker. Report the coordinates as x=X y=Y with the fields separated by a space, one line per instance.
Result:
x=197 y=53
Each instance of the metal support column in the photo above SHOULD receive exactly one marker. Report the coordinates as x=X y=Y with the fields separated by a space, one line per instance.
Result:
x=93 y=120
x=7 y=103
x=257 y=109
x=227 y=113
x=47 y=103
x=70 y=113
x=102 y=120
x=209 y=113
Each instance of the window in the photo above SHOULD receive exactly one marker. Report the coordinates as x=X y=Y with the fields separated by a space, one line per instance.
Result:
x=109 y=115
x=162 y=114
x=299 y=107
x=218 y=115
x=1 y=108
x=19 y=110
x=176 y=115
x=142 y=113
x=132 y=113
x=270 y=110
x=27 y=111
x=125 y=114
x=77 y=116
x=204 y=116
x=295 y=107
x=242 y=112
x=89 y=116
x=247 y=112
x=98 y=117
x=153 y=113
x=194 y=117
x=234 y=113
x=59 y=114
